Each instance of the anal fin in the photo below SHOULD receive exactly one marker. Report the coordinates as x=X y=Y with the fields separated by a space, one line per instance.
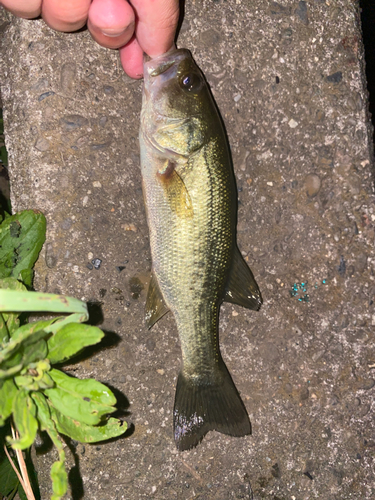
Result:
x=242 y=289
x=155 y=305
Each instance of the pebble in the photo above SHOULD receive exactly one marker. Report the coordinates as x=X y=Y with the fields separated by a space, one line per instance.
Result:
x=301 y=12
x=313 y=185
x=342 y=266
x=292 y=123
x=280 y=10
x=66 y=224
x=129 y=227
x=42 y=144
x=361 y=263
x=40 y=84
x=46 y=94
x=150 y=344
x=98 y=147
x=335 y=77
x=68 y=77
x=304 y=394
x=367 y=384
x=72 y=122
x=97 y=184
x=108 y=89
x=102 y=121
x=96 y=263
x=50 y=258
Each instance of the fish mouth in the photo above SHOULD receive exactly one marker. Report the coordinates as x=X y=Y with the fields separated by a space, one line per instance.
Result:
x=161 y=64
x=162 y=68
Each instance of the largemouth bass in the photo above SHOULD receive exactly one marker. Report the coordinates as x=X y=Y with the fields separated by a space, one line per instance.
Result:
x=191 y=203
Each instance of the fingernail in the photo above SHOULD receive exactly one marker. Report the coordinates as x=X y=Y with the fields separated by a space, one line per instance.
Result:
x=113 y=32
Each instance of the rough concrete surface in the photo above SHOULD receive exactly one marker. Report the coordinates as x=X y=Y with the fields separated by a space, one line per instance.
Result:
x=288 y=79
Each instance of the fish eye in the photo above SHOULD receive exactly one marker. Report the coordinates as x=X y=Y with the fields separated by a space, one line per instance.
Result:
x=191 y=82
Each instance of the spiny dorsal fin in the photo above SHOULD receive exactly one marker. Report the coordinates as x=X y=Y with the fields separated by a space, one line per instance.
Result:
x=155 y=305
x=242 y=288
x=175 y=191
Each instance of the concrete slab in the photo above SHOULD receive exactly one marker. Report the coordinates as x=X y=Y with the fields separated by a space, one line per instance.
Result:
x=288 y=78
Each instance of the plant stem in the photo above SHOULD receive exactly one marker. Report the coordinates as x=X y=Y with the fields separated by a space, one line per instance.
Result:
x=25 y=476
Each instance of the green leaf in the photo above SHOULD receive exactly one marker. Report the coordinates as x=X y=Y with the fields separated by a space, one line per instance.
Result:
x=16 y=352
x=72 y=339
x=24 y=416
x=45 y=302
x=4 y=334
x=87 y=433
x=8 y=393
x=58 y=473
x=8 y=478
x=59 y=480
x=21 y=239
x=10 y=317
x=25 y=331
x=84 y=400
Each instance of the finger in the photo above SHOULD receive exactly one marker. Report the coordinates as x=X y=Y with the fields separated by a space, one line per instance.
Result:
x=67 y=15
x=111 y=22
x=132 y=59
x=156 y=24
x=27 y=9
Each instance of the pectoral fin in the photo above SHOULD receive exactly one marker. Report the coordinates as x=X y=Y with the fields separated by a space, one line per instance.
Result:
x=155 y=305
x=242 y=288
x=175 y=190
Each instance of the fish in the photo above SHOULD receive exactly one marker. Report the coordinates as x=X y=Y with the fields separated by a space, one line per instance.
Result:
x=190 y=197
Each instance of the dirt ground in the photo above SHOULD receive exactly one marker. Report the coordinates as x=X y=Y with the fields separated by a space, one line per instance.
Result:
x=288 y=79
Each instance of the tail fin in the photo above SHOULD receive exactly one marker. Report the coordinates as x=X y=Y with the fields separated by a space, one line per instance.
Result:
x=200 y=407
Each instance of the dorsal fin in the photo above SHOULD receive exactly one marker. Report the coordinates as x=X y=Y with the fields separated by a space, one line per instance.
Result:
x=242 y=289
x=155 y=305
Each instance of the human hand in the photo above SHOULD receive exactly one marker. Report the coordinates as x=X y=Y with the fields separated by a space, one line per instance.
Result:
x=140 y=26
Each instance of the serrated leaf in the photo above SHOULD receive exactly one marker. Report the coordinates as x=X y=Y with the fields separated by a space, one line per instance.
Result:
x=70 y=340
x=24 y=416
x=8 y=393
x=21 y=238
x=84 y=400
x=87 y=433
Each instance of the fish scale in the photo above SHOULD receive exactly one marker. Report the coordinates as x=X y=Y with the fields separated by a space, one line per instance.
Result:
x=191 y=205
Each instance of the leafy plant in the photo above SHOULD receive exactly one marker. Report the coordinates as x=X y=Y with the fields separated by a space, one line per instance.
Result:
x=34 y=395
